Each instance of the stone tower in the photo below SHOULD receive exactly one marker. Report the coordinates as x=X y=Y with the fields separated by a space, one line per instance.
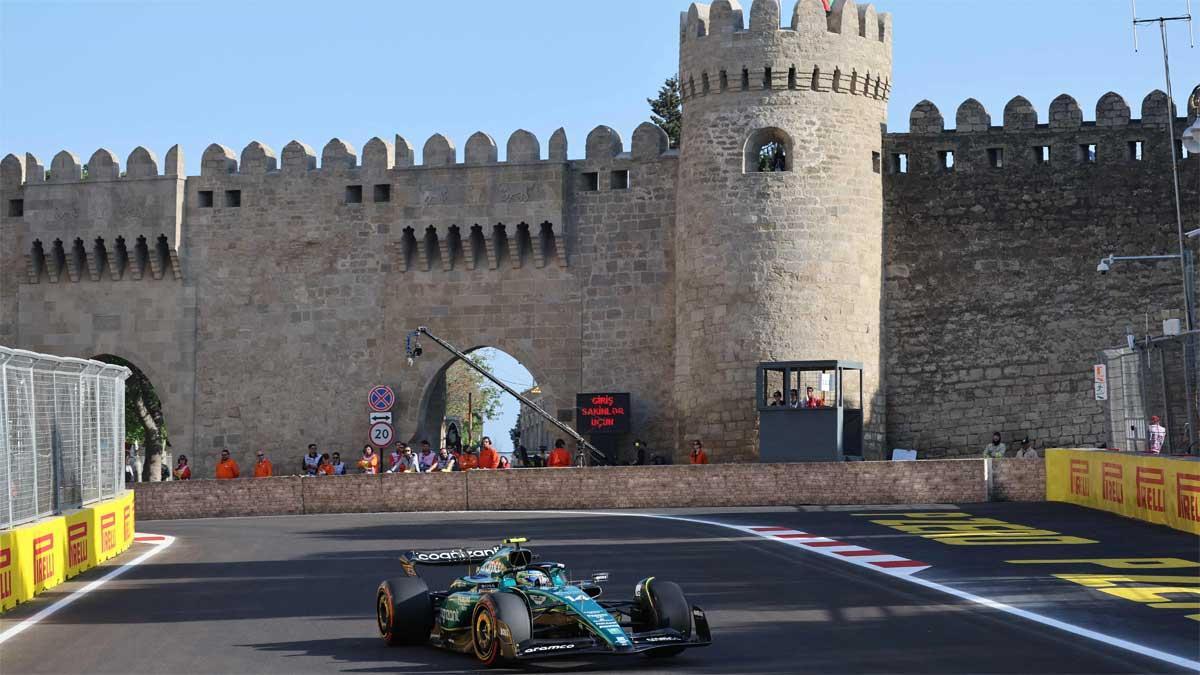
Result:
x=777 y=264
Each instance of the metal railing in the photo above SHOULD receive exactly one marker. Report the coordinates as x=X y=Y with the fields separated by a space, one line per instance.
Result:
x=62 y=431
x=1154 y=377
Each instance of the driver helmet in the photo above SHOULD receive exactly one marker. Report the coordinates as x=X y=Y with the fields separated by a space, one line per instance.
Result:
x=534 y=578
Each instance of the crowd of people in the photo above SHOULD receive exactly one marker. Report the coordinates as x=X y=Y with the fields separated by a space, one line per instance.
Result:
x=1156 y=435
x=402 y=458
x=997 y=448
x=810 y=400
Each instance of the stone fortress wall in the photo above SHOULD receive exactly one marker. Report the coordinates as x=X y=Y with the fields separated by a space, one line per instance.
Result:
x=264 y=296
x=272 y=293
x=995 y=311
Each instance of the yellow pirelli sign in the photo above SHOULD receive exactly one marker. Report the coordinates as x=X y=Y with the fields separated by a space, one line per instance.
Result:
x=1156 y=489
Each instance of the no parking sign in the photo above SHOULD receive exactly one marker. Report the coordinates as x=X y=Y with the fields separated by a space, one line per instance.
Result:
x=381 y=398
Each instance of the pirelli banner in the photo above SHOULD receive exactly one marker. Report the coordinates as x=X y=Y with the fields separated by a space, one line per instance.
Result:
x=1156 y=489
x=42 y=555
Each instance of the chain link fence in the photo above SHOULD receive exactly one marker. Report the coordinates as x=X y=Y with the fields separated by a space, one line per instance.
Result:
x=1155 y=378
x=62 y=427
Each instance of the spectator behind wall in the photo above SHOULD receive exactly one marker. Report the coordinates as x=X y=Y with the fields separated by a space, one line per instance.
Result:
x=559 y=457
x=698 y=456
x=396 y=459
x=1158 y=435
x=227 y=468
x=468 y=459
x=427 y=458
x=995 y=449
x=409 y=463
x=488 y=457
x=325 y=468
x=445 y=461
x=182 y=470
x=369 y=462
x=308 y=463
x=262 y=467
x=339 y=467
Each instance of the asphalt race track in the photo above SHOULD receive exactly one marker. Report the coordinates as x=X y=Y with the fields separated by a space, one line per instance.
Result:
x=295 y=594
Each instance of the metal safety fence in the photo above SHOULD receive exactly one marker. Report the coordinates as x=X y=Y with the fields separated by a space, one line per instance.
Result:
x=1155 y=377
x=62 y=431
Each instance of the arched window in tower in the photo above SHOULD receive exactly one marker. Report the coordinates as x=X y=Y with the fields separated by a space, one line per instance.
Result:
x=768 y=150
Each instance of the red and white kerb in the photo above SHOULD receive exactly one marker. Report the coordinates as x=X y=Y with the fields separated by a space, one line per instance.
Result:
x=852 y=553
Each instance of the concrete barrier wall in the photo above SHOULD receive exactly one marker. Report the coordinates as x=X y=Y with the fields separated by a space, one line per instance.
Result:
x=41 y=555
x=715 y=485
x=1018 y=480
x=1155 y=488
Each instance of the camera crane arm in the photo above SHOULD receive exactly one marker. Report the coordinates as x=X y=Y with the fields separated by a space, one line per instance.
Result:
x=412 y=350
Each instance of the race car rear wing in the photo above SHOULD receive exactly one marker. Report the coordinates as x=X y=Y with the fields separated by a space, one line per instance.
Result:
x=450 y=556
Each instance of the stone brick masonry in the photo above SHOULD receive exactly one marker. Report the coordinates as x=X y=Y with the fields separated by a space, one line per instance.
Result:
x=266 y=295
x=936 y=481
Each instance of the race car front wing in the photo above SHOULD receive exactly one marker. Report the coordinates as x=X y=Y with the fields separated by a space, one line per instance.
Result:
x=642 y=642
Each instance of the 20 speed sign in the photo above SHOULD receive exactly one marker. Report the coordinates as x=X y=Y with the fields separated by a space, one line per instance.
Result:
x=381 y=434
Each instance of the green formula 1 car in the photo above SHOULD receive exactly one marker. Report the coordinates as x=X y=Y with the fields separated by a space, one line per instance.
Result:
x=511 y=608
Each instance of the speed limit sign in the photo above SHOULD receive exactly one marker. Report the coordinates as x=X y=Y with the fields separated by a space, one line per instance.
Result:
x=381 y=434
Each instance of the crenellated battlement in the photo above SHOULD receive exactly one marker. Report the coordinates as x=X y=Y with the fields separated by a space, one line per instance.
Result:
x=65 y=167
x=808 y=17
x=79 y=222
x=846 y=50
x=337 y=157
x=1024 y=141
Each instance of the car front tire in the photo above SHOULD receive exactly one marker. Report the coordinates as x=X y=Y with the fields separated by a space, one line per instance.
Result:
x=496 y=609
x=663 y=605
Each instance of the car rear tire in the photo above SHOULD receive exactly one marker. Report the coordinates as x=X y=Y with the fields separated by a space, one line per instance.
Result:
x=404 y=611
x=663 y=605
x=497 y=608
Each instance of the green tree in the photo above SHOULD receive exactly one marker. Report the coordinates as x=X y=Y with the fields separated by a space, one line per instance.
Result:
x=514 y=434
x=463 y=383
x=667 y=109
x=144 y=422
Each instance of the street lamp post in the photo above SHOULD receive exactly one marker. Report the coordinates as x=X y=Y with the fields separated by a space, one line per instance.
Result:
x=1162 y=22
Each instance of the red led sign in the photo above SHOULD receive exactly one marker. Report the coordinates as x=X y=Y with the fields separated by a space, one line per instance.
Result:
x=602 y=413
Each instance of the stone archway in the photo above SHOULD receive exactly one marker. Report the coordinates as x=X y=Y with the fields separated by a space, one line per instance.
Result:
x=146 y=415
x=433 y=401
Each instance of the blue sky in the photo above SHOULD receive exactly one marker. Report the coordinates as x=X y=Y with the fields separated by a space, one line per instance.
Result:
x=512 y=373
x=84 y=75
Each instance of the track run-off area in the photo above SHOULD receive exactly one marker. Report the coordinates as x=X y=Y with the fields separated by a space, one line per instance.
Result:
x=786 y=590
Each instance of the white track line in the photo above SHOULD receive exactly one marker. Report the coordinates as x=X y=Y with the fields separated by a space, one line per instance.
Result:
x=970 y=597
x=155 y=549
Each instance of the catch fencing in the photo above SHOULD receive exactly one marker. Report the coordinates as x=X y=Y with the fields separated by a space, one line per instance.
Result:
x=62 y=430
x=1155 y=377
